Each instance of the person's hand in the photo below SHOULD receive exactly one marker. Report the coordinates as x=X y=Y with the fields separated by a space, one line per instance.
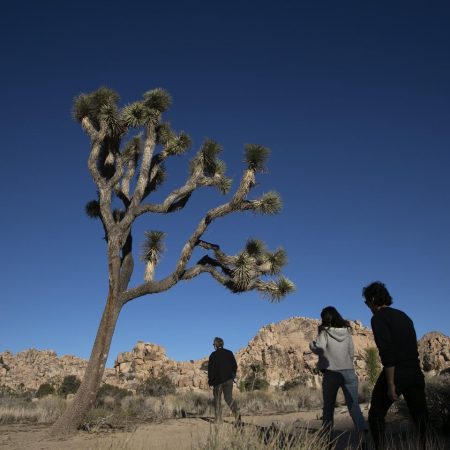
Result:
x=391 y=392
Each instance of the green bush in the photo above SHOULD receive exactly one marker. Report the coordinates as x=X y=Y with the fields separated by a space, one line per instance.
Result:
x=255 y=379
x=69 y=385
x=44 y=390
x=373 y=365
x=292 y=384
x=157 y=387
x=109 y=395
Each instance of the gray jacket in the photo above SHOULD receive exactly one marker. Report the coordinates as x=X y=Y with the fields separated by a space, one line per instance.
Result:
x=335 y=349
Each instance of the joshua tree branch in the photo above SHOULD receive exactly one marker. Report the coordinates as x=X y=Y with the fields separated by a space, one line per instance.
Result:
x=221 y=257
x=154 y=287
x=235 y=204
x=149 y=146
x=175 y=196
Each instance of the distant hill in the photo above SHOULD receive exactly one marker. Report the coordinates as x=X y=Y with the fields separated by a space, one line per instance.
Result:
x=279 y=351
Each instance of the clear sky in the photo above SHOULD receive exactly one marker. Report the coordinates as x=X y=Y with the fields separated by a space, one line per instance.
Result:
x=352 y=98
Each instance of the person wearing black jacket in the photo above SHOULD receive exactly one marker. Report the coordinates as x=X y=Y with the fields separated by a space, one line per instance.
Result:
x=222 y=368
x=396 y=340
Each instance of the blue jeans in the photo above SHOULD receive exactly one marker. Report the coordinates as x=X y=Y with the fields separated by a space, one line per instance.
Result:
x=347 y=380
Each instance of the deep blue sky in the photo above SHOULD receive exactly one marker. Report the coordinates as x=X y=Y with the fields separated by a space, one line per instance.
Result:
x=352 y=98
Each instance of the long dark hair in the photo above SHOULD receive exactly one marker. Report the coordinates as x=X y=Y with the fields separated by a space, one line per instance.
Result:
x=331 y=318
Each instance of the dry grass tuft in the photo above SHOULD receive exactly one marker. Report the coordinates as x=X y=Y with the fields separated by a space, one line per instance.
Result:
x=17 y=410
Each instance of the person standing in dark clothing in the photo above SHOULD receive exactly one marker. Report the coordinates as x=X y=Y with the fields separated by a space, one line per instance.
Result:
x=222 y=368
x=396 y=340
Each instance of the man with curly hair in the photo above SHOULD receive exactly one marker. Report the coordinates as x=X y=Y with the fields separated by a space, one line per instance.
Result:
x=396 y=340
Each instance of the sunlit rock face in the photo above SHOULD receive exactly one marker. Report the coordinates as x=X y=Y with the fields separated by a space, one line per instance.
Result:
x=280 y=349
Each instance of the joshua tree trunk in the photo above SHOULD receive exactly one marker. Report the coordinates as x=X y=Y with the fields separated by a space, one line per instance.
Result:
x=87 y=391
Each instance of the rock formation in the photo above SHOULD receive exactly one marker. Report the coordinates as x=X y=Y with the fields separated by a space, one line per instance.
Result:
x=434 y=352
x=280 y=349
x=29 y=369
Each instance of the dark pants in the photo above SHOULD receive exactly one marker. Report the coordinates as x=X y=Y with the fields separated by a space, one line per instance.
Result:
x=227 y=389
x=409 y=383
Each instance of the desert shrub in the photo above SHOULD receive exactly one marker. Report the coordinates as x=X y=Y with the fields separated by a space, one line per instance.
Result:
x=373 y=366
x=109 y=396
x=438 y=401
x=296 y=399
x=6 y=392
x=44 y=390
x=253 y=438
x=69 y=385
x=364 y=391
x=18 y=410
x=299 y=381
x=157 y=387
x=255 y=379
x=193 y=403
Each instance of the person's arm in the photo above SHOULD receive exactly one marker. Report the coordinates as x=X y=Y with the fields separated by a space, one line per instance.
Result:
x=351 y=348
x=211 y=369
x=235 y=367
x=319 y=345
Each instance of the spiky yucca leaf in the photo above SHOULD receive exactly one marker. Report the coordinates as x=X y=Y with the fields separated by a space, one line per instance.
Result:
x=180 y=144
x=92 y=209
x=132 y=149
x=210 y=150
x=220 y=167
x=157 y=99
x=158 y=179
x=81 y=107
x=164 y=134
x=109 y=114
x=270 y=203
x=89 y=105
x=135 y=114
x=255 y=248
x=242 y=273
x=224 y=185
x=277 y=260
x=285 y=287
x=256 y=157
x=153 y=246
x=276 y=290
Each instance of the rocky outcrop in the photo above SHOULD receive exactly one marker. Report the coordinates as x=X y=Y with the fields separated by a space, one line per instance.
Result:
x=280 y=350
x=150 y=361
x=31 y=368
x=434 y=352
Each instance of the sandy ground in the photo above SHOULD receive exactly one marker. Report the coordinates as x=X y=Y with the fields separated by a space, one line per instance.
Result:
x=176 y=434
x=179 y=434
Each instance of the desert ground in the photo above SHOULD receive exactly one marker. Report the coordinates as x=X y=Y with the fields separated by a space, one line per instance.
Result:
x=180 y=434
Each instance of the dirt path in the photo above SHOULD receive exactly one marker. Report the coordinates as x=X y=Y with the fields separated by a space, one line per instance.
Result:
x=175 y=434
x=179 y=434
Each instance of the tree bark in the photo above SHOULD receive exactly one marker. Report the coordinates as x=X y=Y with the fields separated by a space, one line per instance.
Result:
x=87 y=391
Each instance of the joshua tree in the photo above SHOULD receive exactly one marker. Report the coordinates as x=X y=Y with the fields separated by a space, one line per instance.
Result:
x=126 y=171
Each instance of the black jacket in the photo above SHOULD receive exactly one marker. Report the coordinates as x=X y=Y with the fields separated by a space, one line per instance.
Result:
x=396 y=339
x=222 y=366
